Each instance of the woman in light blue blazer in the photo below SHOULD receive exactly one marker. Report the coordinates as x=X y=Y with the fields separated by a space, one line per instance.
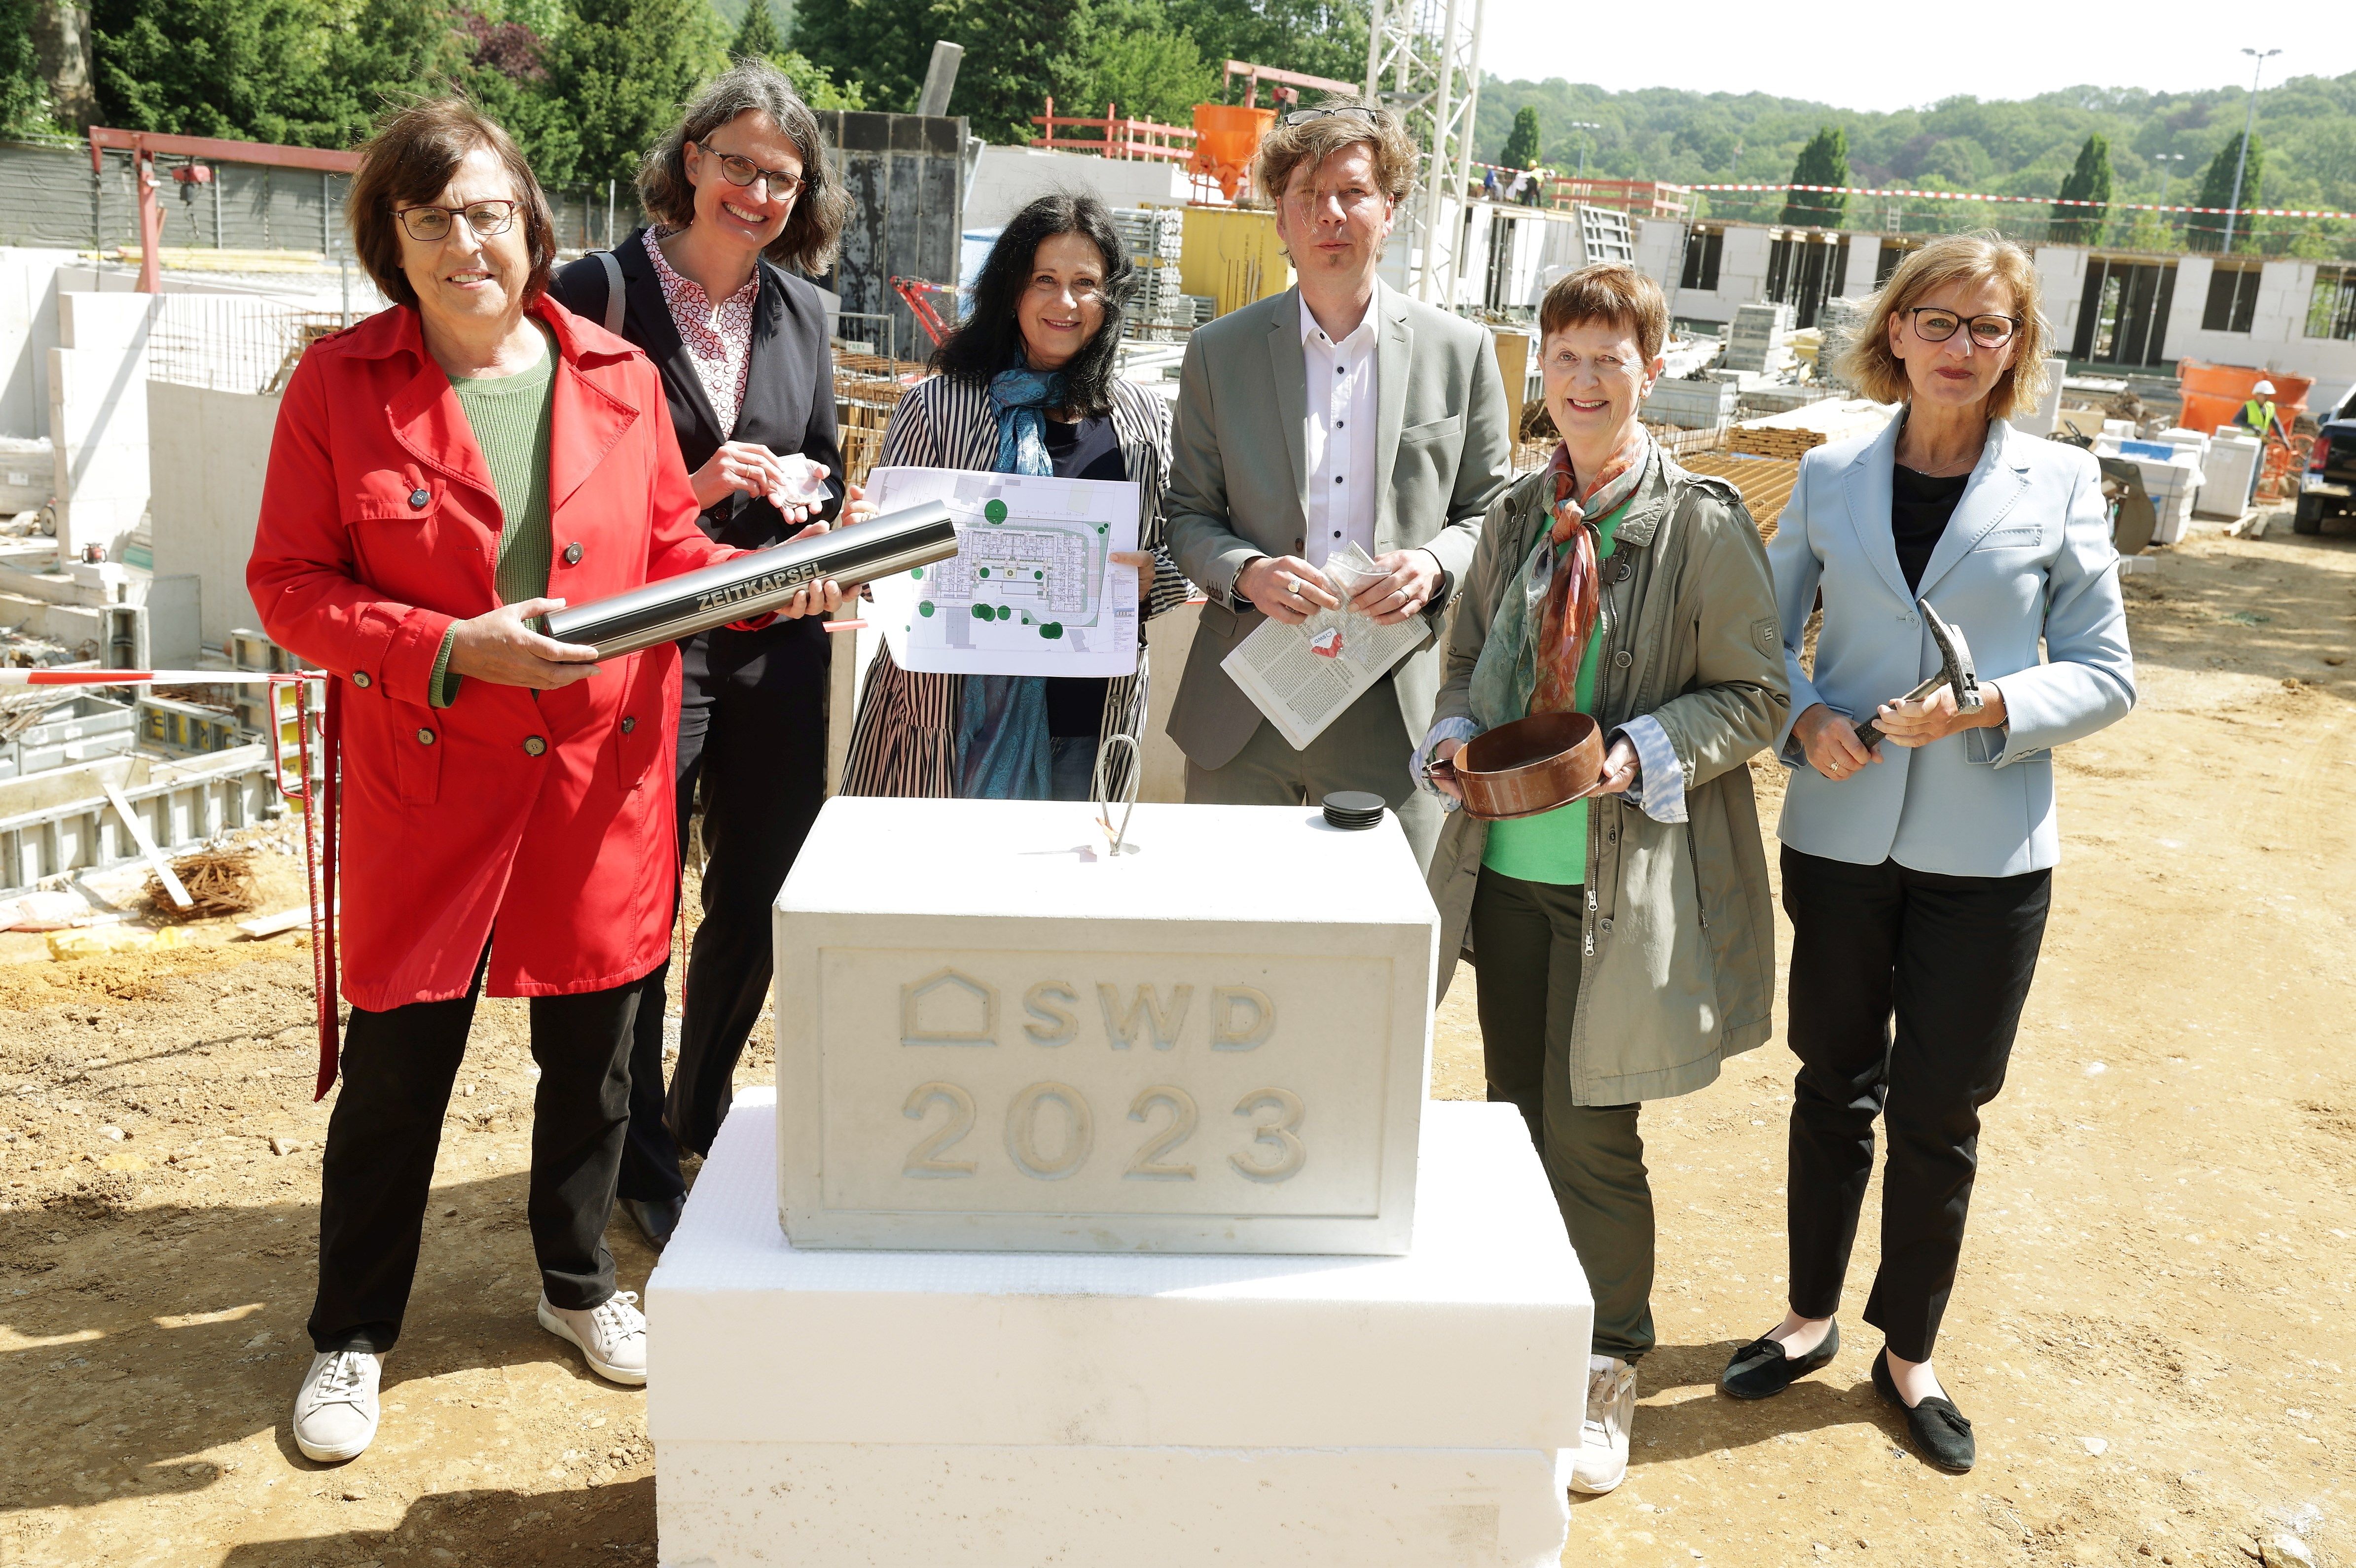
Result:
x=1917 y=871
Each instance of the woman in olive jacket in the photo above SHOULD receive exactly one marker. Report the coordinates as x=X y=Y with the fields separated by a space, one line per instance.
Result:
x=1626 y=942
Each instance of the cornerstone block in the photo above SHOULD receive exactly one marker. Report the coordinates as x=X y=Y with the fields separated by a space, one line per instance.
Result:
x=993 y=1033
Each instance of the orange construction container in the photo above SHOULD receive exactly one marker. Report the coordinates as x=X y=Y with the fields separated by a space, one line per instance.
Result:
x=2213 y=394
x=1226 y=137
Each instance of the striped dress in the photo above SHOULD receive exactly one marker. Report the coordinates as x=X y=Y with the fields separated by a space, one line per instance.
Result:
x=903 y=740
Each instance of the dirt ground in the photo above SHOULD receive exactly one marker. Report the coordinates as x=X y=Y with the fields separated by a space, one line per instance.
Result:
x=2151 y=1331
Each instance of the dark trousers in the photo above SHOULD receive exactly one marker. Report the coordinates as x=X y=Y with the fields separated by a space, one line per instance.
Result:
x=397 y=1068
x=1947 y=961
x=752 y=739
x=1526 y=939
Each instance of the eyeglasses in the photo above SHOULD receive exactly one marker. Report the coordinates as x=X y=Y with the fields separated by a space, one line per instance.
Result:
x=744 y=171
x=487 y=218
x=1304 y=116
x=1933 y=324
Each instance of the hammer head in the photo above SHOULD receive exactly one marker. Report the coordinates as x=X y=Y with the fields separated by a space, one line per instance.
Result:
x=1956 y=660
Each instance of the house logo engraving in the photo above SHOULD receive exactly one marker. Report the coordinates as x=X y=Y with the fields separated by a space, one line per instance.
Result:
x=949 y=1007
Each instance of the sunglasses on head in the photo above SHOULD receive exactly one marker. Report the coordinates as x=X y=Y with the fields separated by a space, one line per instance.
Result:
x=1349 y=111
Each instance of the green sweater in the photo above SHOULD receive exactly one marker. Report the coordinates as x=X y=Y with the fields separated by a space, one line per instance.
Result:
x=510 y=418
x=1552 y=845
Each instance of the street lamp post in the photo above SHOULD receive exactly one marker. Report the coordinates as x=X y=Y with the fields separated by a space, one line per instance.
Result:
x=2242 y=160
x=2166 y=180
x=1583 y=125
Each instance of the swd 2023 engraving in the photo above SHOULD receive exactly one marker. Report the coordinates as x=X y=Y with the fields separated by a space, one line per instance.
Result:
x=1029 y=1082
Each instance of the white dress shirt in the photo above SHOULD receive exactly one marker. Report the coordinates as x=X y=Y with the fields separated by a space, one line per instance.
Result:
x=1339 y=437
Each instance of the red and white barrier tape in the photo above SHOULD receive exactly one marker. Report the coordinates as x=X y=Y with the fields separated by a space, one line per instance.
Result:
x=2029 y=200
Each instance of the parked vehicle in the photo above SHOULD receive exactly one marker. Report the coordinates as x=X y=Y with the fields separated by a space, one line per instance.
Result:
x=2327 y=488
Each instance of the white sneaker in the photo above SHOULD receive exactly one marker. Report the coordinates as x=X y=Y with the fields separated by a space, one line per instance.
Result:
x=612 y=1335
x=336 y=1409
x=1602 y=1461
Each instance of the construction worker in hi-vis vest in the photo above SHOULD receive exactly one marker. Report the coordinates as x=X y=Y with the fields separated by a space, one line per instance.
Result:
x=2258 y=413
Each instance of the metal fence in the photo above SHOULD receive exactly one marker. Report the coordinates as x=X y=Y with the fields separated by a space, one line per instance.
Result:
x=49 y=198
x=230 y=344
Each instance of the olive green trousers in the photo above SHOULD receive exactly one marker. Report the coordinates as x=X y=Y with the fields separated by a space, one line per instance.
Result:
x=1526 y=956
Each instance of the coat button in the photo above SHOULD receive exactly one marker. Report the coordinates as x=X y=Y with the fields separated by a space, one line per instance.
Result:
x=533 y=745
x=419 y=497
x=1622 y=659
x=1605 y=924
x=425 y=737
x=572 y=553
x=628 y=723
x=360 y=679
x=1622 y=569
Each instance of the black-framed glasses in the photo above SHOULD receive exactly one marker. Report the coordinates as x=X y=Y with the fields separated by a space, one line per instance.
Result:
x=1351 y=110
x=487 y=218
x=744 y=171
x=1934 y=324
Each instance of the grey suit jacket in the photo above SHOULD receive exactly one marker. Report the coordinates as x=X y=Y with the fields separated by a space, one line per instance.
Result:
x=1239 y=482
x=2027 y=559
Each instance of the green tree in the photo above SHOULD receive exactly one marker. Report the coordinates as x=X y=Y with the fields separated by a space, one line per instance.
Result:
x=1126 y=55
x=1823 y=161
x=2089 y=181
x=881 y=47
x=757 y=36
x=208 y=68
x=1522 y=147
x=2206 y=230
x=1321 y=38
x=622 y=70
x=24 y=102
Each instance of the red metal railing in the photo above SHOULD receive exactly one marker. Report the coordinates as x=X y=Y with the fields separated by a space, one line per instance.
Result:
x=1641 y=198
x=145 y=145
x=1114 y=136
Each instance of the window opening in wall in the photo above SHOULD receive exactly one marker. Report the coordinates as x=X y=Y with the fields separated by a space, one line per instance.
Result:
x=2123 y=312
x=1803 y=271
x=1501 y=262
x=1893 y=250
x=1703 y=252
x=2232 y=299
x=2332 y=309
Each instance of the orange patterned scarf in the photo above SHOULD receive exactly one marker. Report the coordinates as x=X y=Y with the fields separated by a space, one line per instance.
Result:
x=1573 y=599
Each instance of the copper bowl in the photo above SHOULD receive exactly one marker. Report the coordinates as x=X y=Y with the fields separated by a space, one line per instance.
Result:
x=1533 y=764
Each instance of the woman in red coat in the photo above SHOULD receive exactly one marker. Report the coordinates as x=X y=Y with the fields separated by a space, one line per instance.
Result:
x=443 y=472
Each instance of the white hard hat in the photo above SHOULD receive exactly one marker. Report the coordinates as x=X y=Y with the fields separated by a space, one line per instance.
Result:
x=2262 y=390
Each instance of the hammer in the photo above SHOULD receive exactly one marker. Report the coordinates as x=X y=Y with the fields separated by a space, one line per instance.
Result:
x=1956 y=669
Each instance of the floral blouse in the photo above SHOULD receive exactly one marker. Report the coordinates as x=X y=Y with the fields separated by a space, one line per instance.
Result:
x=719 y=341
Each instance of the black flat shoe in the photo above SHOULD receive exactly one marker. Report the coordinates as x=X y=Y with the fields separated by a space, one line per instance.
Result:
x=1761 y=1370
x=656 y=1216
x=1942 y=1433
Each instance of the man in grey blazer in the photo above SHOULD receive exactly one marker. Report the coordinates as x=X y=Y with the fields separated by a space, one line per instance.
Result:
x=1338 y=411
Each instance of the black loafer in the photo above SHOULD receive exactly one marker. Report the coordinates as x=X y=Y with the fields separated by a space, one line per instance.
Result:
x=1761 y=1370
x=656 y=1216
x=1942 y=1433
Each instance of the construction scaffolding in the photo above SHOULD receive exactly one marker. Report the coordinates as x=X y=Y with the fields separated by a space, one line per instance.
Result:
x=1423 y=63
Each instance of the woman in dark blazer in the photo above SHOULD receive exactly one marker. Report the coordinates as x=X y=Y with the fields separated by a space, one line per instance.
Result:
x=741 y=188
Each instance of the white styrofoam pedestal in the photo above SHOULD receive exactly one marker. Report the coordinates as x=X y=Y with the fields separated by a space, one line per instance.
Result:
x=726 y=1503
x=1158 y=1411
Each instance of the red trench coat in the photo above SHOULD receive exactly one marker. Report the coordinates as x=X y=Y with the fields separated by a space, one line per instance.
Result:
x=545 y=815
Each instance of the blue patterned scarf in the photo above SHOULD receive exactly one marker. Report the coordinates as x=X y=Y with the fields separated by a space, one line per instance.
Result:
x=1002 y=744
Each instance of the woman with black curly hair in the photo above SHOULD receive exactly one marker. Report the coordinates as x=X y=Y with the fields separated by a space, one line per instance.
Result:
x=1026 y=385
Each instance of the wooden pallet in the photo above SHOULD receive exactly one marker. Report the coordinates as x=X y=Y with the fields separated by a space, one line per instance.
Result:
x=1774 y=440
x=1765 y=483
